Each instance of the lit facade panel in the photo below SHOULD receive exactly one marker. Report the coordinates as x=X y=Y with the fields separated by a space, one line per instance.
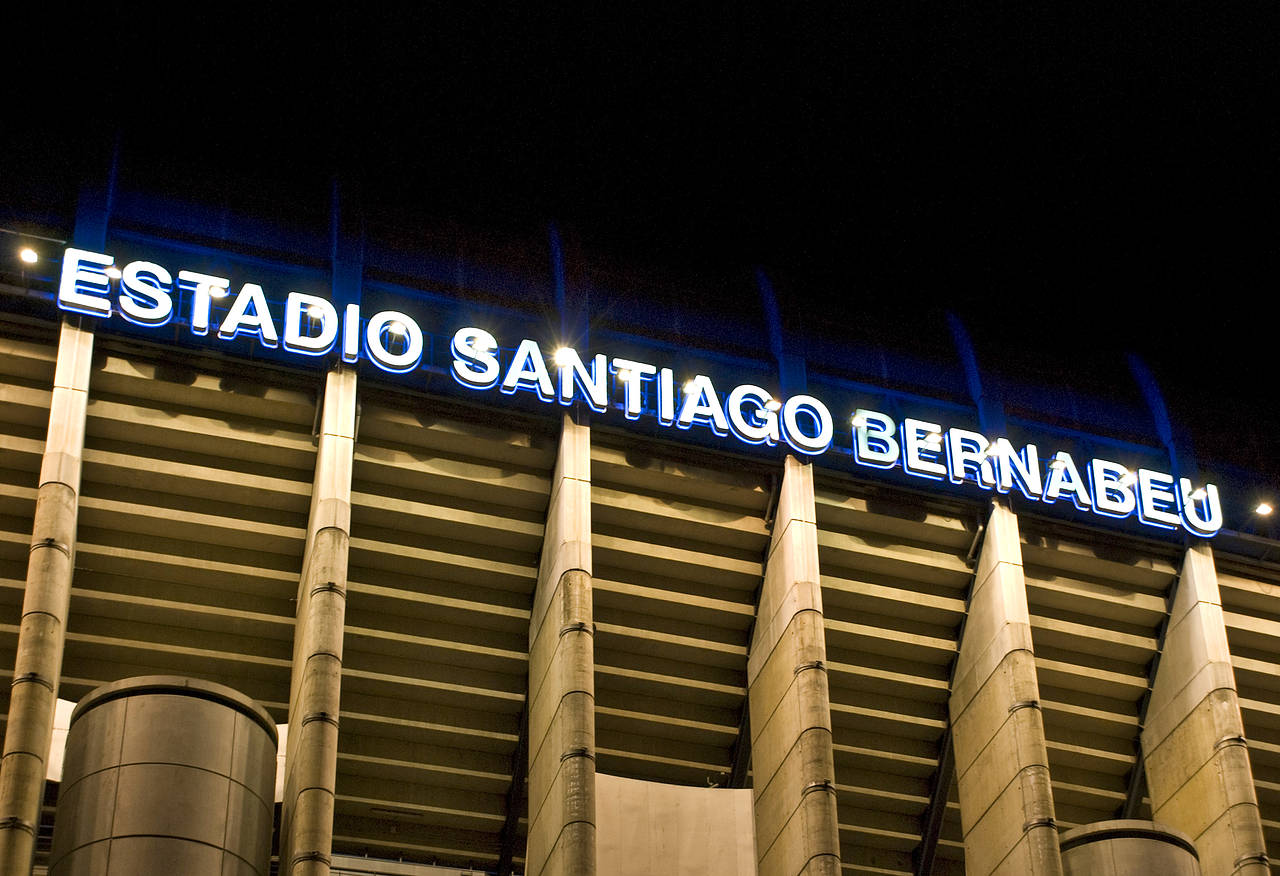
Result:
x=447 y=526
x=678 y=547
x=894 y=580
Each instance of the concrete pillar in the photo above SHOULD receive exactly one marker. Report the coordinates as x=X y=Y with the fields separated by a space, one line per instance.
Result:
x=793 y=767
x=1193 y=743
x=1002 y=765
x=562 y=724
x=43 y=629
x=311 y=759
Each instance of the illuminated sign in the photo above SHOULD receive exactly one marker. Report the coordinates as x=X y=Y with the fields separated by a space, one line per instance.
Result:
x=143 y=293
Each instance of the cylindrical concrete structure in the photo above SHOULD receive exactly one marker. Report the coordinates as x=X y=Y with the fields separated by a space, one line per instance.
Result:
x=1128 y=847
x=166 y=775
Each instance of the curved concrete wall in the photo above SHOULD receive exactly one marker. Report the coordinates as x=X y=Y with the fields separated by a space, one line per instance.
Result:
x=1128 y=848
x=166 y=775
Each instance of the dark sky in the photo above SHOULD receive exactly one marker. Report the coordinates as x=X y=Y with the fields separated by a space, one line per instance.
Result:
x=1075 y=182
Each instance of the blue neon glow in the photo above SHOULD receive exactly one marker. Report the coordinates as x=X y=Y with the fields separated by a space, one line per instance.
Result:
x=147 y=296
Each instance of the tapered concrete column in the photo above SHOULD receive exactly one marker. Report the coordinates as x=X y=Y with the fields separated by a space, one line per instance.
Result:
x=1002 y=765
x=1193 y=744
x=311 y=759
x=562 y=724
x=43 y=630
x=793 y=768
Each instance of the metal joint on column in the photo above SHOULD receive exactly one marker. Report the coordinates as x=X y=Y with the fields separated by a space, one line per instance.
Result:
x=1024 y=704
x=577 y=752
x=579 y=627
x=31 y=678
x=51 y=543
x=1227 y=741
x=1255 y=858
x=1039 y=822
x=329 y=587
x=320 y=716
x=13 y=822
x=823 y=785
x=304 y=857
x=813 y=664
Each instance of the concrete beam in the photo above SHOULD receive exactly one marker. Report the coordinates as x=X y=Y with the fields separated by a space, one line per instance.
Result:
x=43 y=630
x=1002 y=764
x=306 y=831
x=1197 y=763
x=562 y=767
x=793 y=765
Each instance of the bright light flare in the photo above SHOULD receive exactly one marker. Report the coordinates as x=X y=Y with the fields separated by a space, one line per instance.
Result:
x=28 y=255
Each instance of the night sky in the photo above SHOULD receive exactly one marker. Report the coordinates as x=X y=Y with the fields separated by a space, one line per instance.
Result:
x=1074 y=183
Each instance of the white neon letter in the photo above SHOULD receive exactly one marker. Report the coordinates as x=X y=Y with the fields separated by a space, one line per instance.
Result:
x=702 y=405
x=630 y=375
x=84 y=284
x=921 y=445
x=1110 y=496
x=1023 y=467
x=351 y=333
x=475 y=365
x=762 y=426
x=666 y=397
x=309 y=308
x=528 y=370
x=239 y=319
x=873 y=441
x=202 y=287
x=144 y=294
x=1157 y=504
x=795 y=436
x=967 y=458
x=1063 y=475
x=593 y=381
x=394 y=323
x=1192 y=501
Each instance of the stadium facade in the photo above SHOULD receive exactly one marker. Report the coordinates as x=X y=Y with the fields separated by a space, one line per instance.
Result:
x=476 y=552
